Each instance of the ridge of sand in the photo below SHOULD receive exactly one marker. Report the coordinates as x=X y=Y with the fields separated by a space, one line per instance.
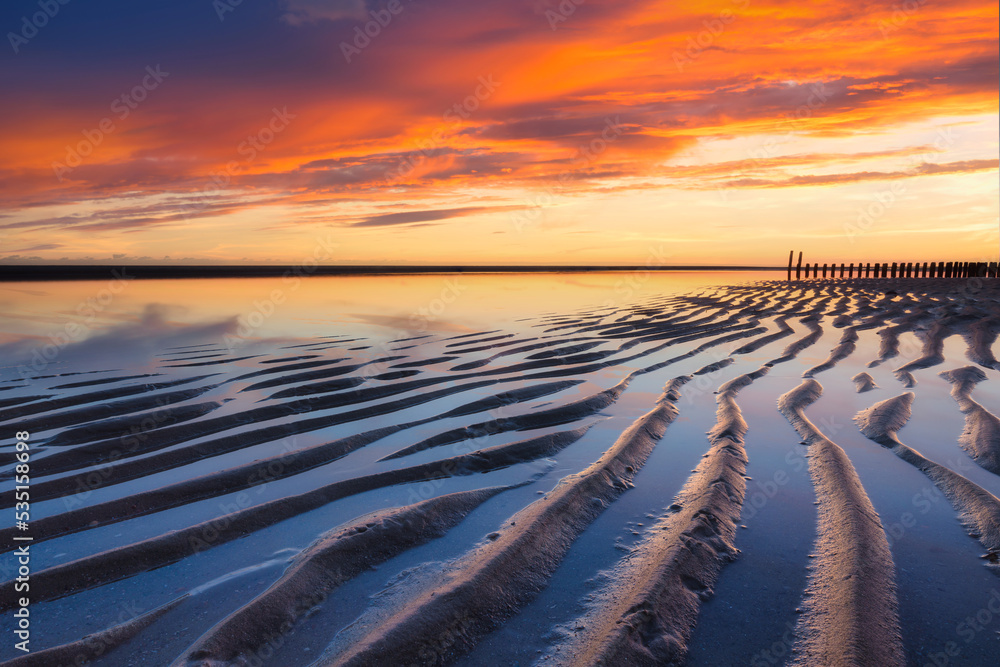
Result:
x=978 y=509
x=848 y=342
x=336 y=557
x=981 y=436
x=126 y=561
x=646 y=611
x=493 y=580
x=864 y=382
x=851 y=615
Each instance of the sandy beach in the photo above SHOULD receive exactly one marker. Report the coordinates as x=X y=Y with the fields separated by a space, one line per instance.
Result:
x=768 y=472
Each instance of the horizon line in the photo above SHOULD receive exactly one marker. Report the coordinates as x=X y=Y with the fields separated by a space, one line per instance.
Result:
x=55 y=272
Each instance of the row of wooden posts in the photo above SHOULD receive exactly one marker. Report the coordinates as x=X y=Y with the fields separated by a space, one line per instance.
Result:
x=895 y=270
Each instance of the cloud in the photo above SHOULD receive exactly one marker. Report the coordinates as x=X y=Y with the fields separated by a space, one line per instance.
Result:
x=300 y=12
x=925 y=169
x=411 y=217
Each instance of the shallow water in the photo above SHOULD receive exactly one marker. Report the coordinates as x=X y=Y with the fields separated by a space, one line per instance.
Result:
x=471 y=338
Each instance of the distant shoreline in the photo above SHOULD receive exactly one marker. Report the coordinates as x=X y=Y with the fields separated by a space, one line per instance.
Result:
x=49 y=272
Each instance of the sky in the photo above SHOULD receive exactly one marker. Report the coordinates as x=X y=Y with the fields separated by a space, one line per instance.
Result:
x=498 y=132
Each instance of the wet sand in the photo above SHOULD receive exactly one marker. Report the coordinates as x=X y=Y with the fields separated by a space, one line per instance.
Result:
x=208 y=456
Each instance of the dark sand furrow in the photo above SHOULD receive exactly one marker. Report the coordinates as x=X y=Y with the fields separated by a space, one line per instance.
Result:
x=783 y=331
x=512 y=397
x=797 y=346
x=981 y=436
x=163 y=438
x=888 y=343
x=714 y=366
x=980 y=337
x=443 y=621
x=334 y=558
x=492 y=346
x=133 y=425
x=310 y=376
x=479 y=363
x=978 y=509
x=284 y=465
x=197 y=357
x=333 y=386
x=217 y=362
x=471 y=335
x=933 y=349
x=395 y=375
x=93 y=413
x=122 y=471
x=846 y=346
x=93 y=397
x=285 y=360
x=481 y=340
x=742 y=331
x=127 y=561
x=646 y=610
x=851 y=616
x=569 y=349
x=21 y=400
x=286 y=367
x=418 y=363
x=95 y=645
x=91 y=383
x=563 y=414
x=130 y=432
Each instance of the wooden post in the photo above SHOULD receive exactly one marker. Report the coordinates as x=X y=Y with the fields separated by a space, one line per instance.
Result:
x=843 y=268
x=991 y=272
x=824 y=270
x=807 y=270
x=933 y=270
x=791 y=253
x=947 y=270
x=850 y=270
x=924 y=274
x=885 y=269
x=893 y=275
x=868 y=270
x=798 y=267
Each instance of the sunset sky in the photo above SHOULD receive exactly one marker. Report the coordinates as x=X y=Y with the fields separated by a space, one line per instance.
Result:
x=514 y=131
